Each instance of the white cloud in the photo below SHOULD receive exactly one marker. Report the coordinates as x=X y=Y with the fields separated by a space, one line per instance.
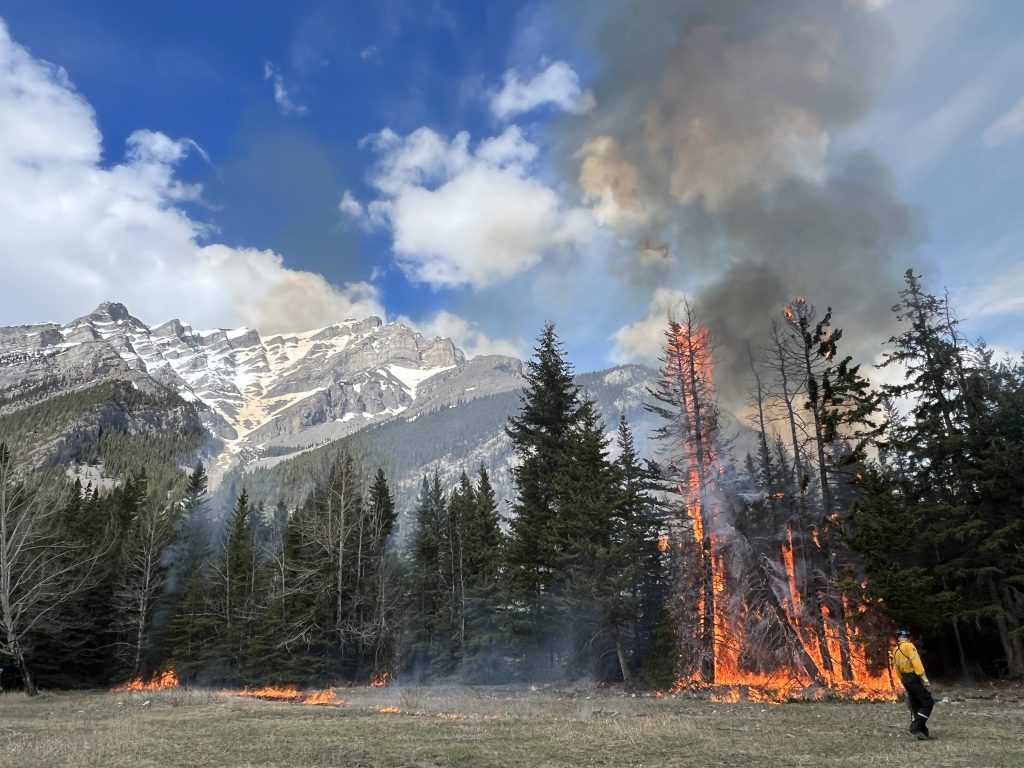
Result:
x=1009 y=126
x=75 y=232
x=466 y=335
x=465 y=216
x=558 y=85
x=282 y=96
x=644 y=340
x=350 y=206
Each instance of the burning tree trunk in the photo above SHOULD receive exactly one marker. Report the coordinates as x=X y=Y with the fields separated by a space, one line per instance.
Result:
x=692 y=419
x=841 y=407
x=740 y=624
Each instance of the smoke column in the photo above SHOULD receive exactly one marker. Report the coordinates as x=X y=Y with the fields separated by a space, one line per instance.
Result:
x=715 y=134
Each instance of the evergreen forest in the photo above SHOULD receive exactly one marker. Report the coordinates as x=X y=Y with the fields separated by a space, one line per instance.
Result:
x=842 y=511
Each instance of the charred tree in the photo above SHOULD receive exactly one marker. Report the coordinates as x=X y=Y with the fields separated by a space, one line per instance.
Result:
x=686 y=403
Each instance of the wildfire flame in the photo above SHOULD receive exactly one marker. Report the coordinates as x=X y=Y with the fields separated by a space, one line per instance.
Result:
x=325 y=696
x=663 y=543
x=389 y=710
x=827 y=657
x=160 y=682
x=270 y=693
x=380 y=680
x=290 y=694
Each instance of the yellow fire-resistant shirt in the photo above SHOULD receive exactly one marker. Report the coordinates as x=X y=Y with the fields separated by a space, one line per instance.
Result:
x=905 y=659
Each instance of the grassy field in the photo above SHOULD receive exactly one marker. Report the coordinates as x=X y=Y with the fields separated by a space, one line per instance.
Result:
x=501 y=727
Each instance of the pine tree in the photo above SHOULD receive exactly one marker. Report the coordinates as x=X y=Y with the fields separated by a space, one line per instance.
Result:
x=689 y=436
x=540 y=435
x=485 y=642
x=641 y=535
x=427 y=601
x=841 y=408
x=591 y=565
x=933 y=441
x=187 y=559
x=377 y=587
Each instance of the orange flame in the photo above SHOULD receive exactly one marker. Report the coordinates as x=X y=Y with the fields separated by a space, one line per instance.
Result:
x=389 y=710
x=271 y=693
x=380 y=680
x=288 y=693
x=663 y=543
x=729 y=677
x=161 y=682
x=325 y=696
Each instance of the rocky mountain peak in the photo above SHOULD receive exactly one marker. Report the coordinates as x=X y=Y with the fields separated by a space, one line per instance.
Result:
x=113 y=310
x=260 y=392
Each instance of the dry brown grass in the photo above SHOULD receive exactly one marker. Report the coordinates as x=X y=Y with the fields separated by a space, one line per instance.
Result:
x=450 y=726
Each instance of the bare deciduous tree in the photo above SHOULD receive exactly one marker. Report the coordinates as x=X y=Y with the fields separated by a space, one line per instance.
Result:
x=143 y=579
x=39 y=570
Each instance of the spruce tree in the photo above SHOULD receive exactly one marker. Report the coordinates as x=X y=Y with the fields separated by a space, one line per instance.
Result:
x=540 y=434
x=641 y=528
x=427 y=598
x=592 y=573
x=485 y=643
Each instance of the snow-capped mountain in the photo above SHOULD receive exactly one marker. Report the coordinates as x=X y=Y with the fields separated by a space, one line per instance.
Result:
x=296 y=389
x=264 y=412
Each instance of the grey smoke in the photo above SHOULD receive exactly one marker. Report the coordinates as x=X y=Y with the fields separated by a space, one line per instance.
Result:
x=715 y=131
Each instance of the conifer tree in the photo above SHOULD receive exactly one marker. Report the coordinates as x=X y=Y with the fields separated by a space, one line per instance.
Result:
x=591 y=565
x=689 y=437
x=229 y=597
x=187 y=560
x=377 y=576
x=540 y=435
x=426 y=615
x=485 y=642
x=641 y=528
x=952 y=461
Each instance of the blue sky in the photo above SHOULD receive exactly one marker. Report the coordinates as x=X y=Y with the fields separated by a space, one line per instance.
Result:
x=478 y=168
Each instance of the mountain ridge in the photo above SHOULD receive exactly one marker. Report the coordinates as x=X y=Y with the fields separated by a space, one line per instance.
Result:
x=265 y=401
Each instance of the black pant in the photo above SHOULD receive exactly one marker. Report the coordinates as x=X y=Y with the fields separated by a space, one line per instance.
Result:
x=921 y=701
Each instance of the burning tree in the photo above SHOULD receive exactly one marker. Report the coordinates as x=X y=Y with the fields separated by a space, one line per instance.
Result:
x=688 y=406
x=756 y=605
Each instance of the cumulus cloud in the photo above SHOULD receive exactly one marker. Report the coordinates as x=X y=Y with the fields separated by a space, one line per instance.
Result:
x=75 y=232
x=282 y=93
x=644 y=340
x=557 y=85
x=466 y=335
x=1008 y=126
x=462 y=215
x=350 y=206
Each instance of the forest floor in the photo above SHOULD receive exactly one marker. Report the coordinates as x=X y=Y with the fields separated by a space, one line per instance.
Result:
x=974 y=727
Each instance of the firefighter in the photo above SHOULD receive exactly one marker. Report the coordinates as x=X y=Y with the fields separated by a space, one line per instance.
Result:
x=907 y=664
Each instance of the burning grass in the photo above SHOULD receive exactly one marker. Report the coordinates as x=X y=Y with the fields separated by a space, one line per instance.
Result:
x=502 y=726
x=325 y=697
x=160 y=682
